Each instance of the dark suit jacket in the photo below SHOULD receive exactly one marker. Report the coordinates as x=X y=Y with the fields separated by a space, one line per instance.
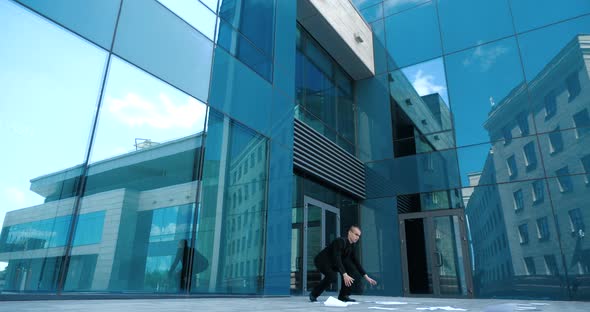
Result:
x=337 y=253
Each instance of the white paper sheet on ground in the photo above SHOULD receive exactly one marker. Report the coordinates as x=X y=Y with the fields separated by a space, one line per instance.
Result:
x=390 y=302
x=447 y=308
x=539 y=303
x=382 y=308
x=333 y=302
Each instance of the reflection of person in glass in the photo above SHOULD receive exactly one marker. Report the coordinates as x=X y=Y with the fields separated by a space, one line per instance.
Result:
x=339 y=257
x=183 y=255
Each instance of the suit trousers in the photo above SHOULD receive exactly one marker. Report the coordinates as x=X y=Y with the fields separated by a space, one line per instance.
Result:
x=331 y=273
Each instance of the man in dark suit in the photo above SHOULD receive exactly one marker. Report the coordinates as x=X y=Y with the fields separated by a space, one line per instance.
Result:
x=339 y=257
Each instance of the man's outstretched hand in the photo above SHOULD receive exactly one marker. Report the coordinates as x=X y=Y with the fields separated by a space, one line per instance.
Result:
x=347 y=279
x=370 y=280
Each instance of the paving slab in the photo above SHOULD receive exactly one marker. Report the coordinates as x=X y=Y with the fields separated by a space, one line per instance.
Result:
x=294 y=304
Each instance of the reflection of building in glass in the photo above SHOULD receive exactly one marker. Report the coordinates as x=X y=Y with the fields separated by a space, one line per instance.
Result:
x=144 y=214
x=515 y=230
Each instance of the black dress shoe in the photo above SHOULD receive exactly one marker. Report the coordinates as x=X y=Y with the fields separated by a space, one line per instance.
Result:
x=346 y=299
x=312 y=298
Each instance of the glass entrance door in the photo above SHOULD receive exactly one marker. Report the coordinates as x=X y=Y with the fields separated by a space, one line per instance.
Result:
x=321 y=225
x=435 y=258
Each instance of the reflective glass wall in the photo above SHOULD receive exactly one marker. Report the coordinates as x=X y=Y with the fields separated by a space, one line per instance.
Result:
x=134 y=166
x=489 y=106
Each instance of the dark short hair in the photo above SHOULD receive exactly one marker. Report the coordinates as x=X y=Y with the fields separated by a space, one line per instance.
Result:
x=354 y=226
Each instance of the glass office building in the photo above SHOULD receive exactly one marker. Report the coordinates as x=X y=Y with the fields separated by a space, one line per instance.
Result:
x=212 y=147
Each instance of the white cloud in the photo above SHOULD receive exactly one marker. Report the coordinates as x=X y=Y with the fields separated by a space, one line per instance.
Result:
x=424 y=84
x=484 y=56
x=135 y=111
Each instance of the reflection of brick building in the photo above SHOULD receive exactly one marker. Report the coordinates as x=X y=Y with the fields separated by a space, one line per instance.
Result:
x=535 y=238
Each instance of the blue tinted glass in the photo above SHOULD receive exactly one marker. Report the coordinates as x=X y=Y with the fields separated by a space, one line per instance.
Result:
x=391 y=7
x=284 y=58
x=212 y=4
x=144 y=160
x=379 y=50
x=235 y=175
x=282 y=115
x=89 y=228
x=436 y=171
x=239 y=100
x=194 y=13
x=361 y=4
x=93 y=19
x=565 y=147
x=555 y=66
x=487 y=92
x=240 y=47
x=254 y=19
x=505 y=218
x=413 y=36
x=373 y=13
x=529 y=14
x=465 y=23
x=374 y=122
x=277 y=272
x=50 y=81
x=166 y=48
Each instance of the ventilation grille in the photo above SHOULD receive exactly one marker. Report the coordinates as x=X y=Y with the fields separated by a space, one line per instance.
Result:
x=316 y=155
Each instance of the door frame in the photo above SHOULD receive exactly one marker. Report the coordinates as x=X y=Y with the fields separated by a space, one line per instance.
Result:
x=428 y=216
x=325 y=207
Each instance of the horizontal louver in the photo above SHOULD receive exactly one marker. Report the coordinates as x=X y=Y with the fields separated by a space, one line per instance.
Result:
x=316 y=155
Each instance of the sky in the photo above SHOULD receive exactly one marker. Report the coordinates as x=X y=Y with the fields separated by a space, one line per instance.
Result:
x=51 y=81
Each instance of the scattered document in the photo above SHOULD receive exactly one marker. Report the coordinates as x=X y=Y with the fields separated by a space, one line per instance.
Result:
x=390 y=302
x=447 y=308
x=382 y=308
x=333 y=302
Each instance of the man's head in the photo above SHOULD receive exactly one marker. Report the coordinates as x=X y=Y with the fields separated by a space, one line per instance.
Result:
x=354 y=234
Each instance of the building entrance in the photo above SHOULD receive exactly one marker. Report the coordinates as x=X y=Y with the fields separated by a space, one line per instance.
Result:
x=321 y=225
x=435 y=258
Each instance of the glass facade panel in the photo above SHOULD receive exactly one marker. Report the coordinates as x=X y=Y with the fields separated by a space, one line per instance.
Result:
x=253 y=19
x=391 y=7
x=239 y=100
x=485 y=87
x=143 y=170
x=462 y=30
x=166 y=48
x=514 y=242
x=94 y=19
x=324 y=93
x=530 y=14
x=232 y=214
x=194 y=13
x=413 y=36
x=51 y=81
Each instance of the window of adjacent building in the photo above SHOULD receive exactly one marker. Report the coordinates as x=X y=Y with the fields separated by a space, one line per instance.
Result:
x=530 y=157
x=543 y=229
x=518 y=200
x=538 y=191
x=551 y=265
x=582 y=123
x=507 y=134
x=523 y=123
x=576 y=220
x=555 y=141
x=511 y=164
x=564 y=180
x=550 y=105
x=586 y=164
x=529 y=264
x=573 y=86
x=523 y=233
